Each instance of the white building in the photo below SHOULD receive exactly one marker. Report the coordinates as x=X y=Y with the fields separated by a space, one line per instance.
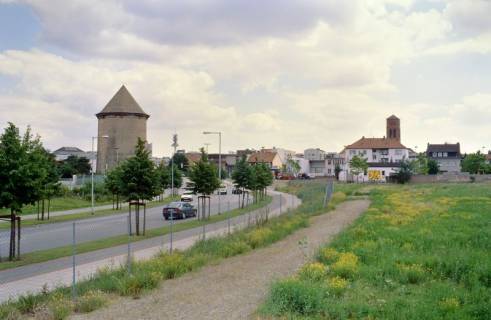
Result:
x=383 y=156
x=314 y=154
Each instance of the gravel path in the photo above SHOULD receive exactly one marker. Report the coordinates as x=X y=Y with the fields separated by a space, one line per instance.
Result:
x=235 y=287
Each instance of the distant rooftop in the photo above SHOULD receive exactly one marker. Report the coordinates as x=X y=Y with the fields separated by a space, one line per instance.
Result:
x=68 y=150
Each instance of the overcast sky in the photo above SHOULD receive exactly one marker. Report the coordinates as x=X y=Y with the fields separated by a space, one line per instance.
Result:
x=292 y=74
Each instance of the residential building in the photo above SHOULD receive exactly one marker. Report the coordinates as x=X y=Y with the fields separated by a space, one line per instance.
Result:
x=272 y=159
x=383 y=155
x=228 y=161
x=447 y=155
x=283 y=154
x=314 y=154
x=334 y=159
x=64 y=152
x=120 y=124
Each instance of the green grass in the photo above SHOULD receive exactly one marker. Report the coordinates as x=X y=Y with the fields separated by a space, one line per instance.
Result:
x=87 y=215
x=55 y=253
x=419 y=252
x=146 y=275
x=59 y=204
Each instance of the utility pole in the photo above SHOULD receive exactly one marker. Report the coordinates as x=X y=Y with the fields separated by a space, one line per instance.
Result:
x=174 y=145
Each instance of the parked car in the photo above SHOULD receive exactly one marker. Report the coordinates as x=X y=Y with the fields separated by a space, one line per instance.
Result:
x=304 y=176
x=178 y=210
x=237 y=191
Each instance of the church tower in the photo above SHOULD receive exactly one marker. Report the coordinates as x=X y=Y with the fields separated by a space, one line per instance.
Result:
x=394 y=128
x=120 y=124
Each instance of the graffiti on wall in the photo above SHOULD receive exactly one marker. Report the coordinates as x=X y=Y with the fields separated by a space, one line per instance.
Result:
x=374 y=175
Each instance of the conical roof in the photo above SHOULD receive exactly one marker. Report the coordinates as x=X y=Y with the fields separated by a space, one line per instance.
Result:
x=123 y=103
x=393 y=117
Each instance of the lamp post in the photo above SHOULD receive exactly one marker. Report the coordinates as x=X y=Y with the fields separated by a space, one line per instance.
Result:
x=92 y=171
x=174 y=145
x=219 y=163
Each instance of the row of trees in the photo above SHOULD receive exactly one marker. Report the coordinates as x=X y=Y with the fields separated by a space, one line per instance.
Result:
x=28 y=175
x=251 y=177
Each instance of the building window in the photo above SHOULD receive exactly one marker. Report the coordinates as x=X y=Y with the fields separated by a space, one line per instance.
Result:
x=383 y=172
x=329 y=171
x=398 y=152
x=352 y=152
x=374 y=157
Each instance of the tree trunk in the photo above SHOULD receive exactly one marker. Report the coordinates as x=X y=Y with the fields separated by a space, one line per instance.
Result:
x=144 y=217
x=49 y=205
x=38 y=209
x=137 y=219
x=42 y=211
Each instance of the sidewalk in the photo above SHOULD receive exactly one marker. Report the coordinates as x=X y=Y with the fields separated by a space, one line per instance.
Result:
x=184 y=239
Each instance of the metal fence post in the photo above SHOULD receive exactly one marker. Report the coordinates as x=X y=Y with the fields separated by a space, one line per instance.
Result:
x=74 y=252
x=171 y=227
x=229 y=213
x=129 y=245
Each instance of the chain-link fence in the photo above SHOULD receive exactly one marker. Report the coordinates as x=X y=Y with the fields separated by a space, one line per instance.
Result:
x=78 y=249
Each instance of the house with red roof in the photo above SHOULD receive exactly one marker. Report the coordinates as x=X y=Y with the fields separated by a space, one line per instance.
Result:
x=383 y=155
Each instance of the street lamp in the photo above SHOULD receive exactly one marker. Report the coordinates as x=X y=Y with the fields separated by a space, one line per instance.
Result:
x=92 y=171
x=174 y=145
x=219 y=163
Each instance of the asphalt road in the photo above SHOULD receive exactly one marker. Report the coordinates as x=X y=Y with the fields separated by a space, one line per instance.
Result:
x=66 y=262
x=55 y=235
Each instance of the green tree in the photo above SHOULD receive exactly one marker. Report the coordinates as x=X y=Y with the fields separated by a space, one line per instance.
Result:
x=74 y=165
x=404 y=173
x=114 y=184
x=433 y=166
x=204 y=178
x=474 y=163
x=263 y=179
x=49 y=185
x=21 y=173
x=240 y=177
x=358 y=165
x=420 y=165
x=180 y=161
x=164 y=175
x=139 y=181
x=292 y=167
x=337 y=170
x=178 y=174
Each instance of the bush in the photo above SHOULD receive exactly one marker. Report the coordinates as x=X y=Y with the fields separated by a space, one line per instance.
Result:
x=90 y=301
x=29 y=302
x=328 y=255
x=9 y=312
x=346 y=266
x=313 y=272
x=297 y=297
x=258 y=237
x=337 y=285
x=134 y=285
x=59 y=307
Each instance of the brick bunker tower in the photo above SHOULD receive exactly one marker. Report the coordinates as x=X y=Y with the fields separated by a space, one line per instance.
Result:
x=394 y=128
x=123 y=121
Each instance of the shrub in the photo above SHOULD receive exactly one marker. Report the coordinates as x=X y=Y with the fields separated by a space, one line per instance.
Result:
x=336 y=285
x=59 y=307
x=295 y=296
x=134 y=285
x=413 y=273
x=313 y=271
x=9 y=312
x=170 y=266
x=338 y=197
x=346 y=266
x=29 y=302
x=90 y=301
x=328 y=255
x=258 y=237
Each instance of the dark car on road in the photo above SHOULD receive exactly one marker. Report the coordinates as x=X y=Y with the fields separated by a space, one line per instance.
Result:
x=178 y=210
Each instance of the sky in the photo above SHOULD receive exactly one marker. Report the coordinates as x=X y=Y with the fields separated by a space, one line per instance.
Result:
x=290 y=74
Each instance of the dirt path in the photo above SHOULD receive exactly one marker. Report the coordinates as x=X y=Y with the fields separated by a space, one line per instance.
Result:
x=234 y=288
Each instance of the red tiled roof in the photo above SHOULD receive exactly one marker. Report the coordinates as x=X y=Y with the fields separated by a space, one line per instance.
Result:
x=262 y=157
x=193 y=157
x=376 y=143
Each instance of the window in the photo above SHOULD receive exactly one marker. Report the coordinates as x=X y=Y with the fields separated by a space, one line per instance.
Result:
x=374 y=157
x=329 y=171
x=329 y=162
x=383 y=172
x=445 y=154
x=352 y=152
x=398 y=152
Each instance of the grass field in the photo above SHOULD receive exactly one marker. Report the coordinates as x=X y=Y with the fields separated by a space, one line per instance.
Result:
x=147 y=275
x=419 y=252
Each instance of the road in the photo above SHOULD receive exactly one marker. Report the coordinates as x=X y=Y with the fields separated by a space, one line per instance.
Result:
x=31 y=278
x=53 y=235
